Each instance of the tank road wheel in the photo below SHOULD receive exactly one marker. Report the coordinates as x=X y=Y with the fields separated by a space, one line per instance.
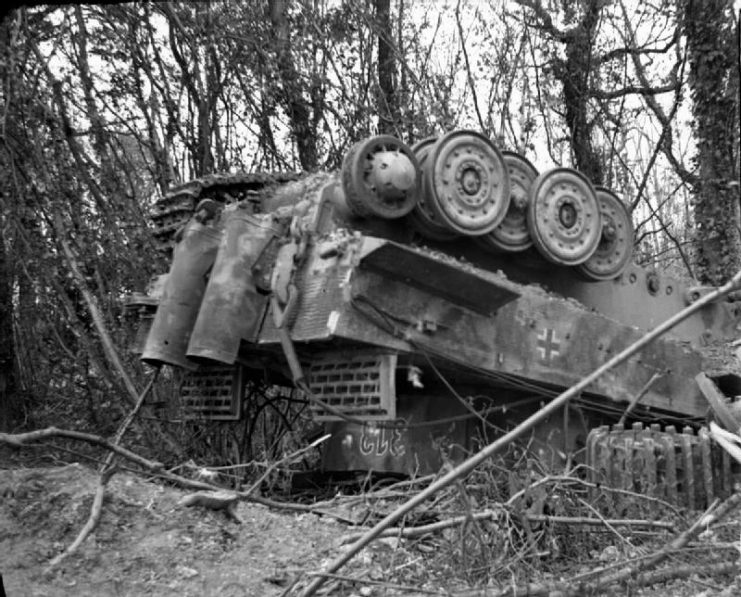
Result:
x=351 y=196
x=615 y=247
x=422 y=218
x=513 y=235
x=469 y=183
x=564 y=216
x=381 y=177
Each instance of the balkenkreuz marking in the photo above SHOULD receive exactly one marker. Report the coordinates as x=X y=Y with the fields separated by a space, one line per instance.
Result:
x=548 y=345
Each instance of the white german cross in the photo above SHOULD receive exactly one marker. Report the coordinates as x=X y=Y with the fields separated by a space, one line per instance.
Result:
x=548 y=344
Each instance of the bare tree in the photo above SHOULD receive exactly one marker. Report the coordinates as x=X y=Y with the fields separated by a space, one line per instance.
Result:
x=388 y=103
x=713 y=51
x=9 y=403
x=575 y=73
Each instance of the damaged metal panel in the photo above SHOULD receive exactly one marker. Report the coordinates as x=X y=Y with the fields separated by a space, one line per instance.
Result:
x=232 y=309
x=167 y=340
x=538 y=337
x=464 y=286
x=362 y=295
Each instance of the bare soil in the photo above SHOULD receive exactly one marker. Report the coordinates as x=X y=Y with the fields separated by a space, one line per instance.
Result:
x=146 y=544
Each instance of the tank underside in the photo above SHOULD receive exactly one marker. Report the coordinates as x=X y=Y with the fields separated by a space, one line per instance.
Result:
x=414 y=351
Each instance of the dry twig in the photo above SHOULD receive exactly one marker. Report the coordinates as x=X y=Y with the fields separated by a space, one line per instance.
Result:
x=635 y=572
x=155 y=468
x=106 y=472
x=298 y=453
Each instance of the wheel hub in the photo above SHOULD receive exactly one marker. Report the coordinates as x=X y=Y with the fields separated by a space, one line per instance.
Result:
x=470 y=180
x=567 y=215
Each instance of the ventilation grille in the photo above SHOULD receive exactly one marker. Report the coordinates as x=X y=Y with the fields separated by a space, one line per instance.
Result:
x=359 y=385
x=213 y=393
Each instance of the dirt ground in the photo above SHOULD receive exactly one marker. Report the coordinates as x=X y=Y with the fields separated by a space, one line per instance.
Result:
x=146 y=544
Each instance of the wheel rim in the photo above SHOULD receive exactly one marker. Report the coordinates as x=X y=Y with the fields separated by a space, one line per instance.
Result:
x=564 y=217
x=469 y=183
x=381 y=177
x=615 y=247
x=423 y=218
x=513 y=235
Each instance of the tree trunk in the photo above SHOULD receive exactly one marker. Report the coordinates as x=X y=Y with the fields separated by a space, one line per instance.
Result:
x=387 y=100
x=8 y=387
x=574 y=75
x=574 y=72
x=714 y=82
x=292 y=87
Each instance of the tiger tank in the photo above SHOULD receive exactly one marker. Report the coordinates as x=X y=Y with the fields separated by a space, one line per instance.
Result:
x=426 y=298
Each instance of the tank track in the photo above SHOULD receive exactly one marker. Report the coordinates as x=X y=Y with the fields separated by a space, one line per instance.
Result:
x=683 y=468
x=173 y=210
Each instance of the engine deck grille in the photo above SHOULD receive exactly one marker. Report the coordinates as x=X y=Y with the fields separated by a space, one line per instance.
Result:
x=213 y=393
x=359 y=385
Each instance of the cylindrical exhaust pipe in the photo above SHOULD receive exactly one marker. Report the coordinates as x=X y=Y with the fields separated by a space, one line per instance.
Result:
x=232 y=308
x=194 y=255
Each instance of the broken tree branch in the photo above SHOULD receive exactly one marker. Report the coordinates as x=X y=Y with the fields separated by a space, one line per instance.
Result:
x=727 y=440
x=616 y=522
x=92 y=305
x=109 y=347
x=410 y=532
x=155 y=468
x=635 y=572
x=717 y=402
x=419 y=531
x=715 y=513
x=106 y=472
x=289 y=458
x=557 y=403
x=18 y=440
x=95 y=512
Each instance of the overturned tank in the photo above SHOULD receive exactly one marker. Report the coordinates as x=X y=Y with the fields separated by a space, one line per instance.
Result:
x=426 y=297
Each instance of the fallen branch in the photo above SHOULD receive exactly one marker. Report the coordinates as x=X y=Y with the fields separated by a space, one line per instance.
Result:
x=717 y=402
x=214 y=500
x=657 y=576
x=557 y=403
x=256 y=485
x=615 y=522
x=728 y=441
x=577 y=481
x=645 y=579
x=106 y=472
x=92 y=521
x=379 y=583
x=410 y=532
x=18 y=440
x=156 y=469
x=634 y=572
x=421 y=530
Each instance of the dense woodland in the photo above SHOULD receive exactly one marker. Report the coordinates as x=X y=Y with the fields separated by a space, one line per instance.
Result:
x=107 y=106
